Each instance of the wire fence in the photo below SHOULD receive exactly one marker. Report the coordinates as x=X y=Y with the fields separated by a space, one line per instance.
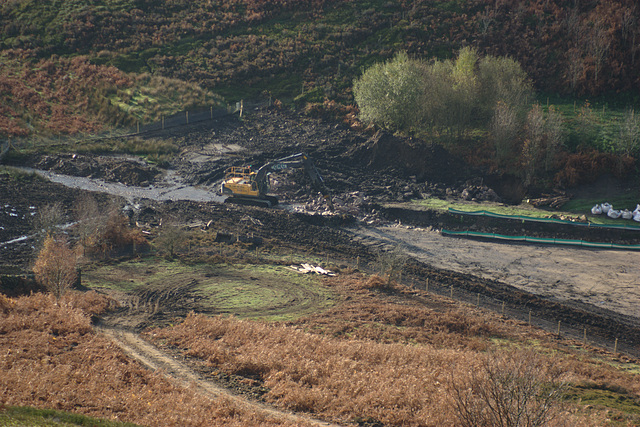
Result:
x=177 y=120
x=581 y=327
x=582 y=333
x=620 y=337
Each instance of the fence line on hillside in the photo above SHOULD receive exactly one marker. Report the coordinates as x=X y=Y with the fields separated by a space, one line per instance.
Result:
x=581 y=332
x=177 y=120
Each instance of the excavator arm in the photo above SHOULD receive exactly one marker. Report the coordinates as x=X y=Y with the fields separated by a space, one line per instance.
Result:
x=260 y=182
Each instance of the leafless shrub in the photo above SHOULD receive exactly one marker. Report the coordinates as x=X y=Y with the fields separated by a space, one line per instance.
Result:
x=629 y=139
x=88 y=219
x=509 y=389
x=117 y=236
x=171 y=238
x=391 y=263
x=48 y=219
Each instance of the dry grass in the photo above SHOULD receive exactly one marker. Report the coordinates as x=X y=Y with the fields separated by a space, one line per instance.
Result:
x=51 y=358
x=370 y=359
x=387 y=355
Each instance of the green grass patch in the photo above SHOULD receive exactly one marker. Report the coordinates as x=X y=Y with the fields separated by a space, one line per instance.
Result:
x=590 y=123
x=498 y=208
x=625 y=201
x=572 y=208
x=602 y=396
x=268 y=292
x=157 y=151
x=32 y=417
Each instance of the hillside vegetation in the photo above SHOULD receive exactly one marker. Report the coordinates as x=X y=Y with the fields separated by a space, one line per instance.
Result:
x=372 y=360
x=76 y=65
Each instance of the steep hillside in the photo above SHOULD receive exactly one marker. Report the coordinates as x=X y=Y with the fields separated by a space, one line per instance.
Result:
x=307 y=51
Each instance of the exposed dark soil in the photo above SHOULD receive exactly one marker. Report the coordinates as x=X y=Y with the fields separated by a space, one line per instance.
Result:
x=364 y=172
x=107 y=168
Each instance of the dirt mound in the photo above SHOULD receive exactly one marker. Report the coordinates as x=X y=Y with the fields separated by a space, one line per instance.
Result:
x=113 y=169
x=407 y=157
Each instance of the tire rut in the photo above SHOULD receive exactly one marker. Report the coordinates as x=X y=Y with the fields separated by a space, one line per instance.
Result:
x=156 y=360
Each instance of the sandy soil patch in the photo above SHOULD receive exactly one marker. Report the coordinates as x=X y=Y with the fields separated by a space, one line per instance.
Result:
x=608 y=279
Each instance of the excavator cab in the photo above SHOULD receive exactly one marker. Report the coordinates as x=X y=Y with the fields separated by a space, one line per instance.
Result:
x=240 y=180
x=243 y=185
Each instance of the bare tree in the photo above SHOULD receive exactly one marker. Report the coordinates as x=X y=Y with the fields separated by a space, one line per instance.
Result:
x=533 y=144
x=55 y=267
x=508 y=389
x=629 y=29
x=504 y=132
x=587 y=124
x=575 y=67
x=88 y=219
x=392 y=262
x=575 y=54
x=486 y=18
x=48 y=220
x=628 y=22
x=599 y=44
x=628 y=141
x=171 y=238
x=555 y=136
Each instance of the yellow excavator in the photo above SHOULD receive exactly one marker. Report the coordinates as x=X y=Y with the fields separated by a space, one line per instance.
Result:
x=245 y=186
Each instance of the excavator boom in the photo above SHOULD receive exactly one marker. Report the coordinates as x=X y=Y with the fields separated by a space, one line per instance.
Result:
x=243 y=185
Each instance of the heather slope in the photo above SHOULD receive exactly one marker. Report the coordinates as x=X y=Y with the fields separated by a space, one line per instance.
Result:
x=309 y=50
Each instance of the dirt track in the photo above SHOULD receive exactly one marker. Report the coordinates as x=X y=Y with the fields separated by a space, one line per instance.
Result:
x=177 y=371
x=364 y=171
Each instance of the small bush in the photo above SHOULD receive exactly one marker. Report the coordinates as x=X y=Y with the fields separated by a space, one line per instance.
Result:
x=508 y=389
x=55 y=267
x=6 y=303
x=116 y=236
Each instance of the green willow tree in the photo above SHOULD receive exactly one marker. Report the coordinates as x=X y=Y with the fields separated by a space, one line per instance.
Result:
x=389 y=93
x=443 y=97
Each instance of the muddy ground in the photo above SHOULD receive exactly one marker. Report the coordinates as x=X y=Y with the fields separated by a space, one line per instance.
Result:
x=582 y=288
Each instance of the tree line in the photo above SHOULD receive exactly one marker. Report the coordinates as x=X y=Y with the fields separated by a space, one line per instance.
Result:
x=470 y=94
